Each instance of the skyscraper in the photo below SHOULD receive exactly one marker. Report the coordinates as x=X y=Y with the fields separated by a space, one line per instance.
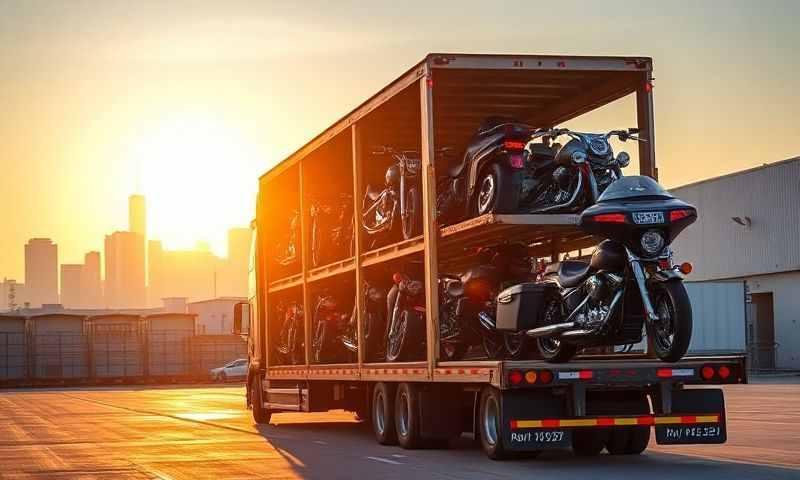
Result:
x=71 y=291
x=155 y=273
x=137 y=215
x=124 y=259
x=91 y=284
x=41 y=271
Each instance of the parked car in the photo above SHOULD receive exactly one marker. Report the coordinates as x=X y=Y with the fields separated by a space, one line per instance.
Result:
x=235 y=370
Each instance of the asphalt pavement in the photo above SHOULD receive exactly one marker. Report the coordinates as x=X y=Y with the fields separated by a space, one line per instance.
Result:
x=204 y=432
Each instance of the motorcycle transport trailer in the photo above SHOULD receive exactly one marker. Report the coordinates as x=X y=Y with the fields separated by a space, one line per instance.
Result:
x=597 y=401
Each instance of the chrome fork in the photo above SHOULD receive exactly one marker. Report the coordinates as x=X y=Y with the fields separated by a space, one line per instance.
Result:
x=638 y=275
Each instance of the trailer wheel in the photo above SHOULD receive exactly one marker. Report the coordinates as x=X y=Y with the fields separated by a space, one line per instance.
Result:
x=630 y=440
x=406 y=416
x=383 y=413
x=490 y=424
x=261 y=415
x=588 y=442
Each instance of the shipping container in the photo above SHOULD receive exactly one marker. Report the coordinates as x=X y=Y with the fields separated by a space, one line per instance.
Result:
x=117 y=346
x=510 y=405
x=60 y=347
x=13 y=348
x=169 y=344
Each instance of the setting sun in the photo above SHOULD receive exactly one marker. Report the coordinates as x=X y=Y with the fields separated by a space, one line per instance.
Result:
x=190 y=169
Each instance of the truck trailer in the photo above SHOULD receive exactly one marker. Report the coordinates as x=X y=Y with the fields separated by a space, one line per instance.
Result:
x=597 y=401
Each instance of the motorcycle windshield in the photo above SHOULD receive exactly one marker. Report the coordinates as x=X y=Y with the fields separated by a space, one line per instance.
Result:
x=633 y=187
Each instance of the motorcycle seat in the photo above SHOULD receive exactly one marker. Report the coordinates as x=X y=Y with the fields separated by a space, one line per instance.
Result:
x=373 y=195
x=572 y=272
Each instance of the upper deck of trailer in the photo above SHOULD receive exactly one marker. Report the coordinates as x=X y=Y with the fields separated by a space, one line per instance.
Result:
x=542 y=90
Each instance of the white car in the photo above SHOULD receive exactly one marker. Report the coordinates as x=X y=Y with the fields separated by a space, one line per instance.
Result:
x=235 y=370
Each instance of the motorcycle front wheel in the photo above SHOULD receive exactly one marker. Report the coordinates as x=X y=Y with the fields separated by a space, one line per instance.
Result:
x=396 y=340
x=671 y=334
x=412 y=219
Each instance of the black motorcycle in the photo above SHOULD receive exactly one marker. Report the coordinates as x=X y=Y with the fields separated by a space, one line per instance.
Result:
x=506 y=170
x=400 y=197
x=331 y=233
x=291 y=344
x=405 y=332
x=374 y=326
x=287 y=250
x=468 y=304
x=630 y=281
x=330 y=326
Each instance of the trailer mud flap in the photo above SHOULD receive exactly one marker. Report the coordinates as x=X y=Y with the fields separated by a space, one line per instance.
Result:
x=527 y=404
x=687 y=404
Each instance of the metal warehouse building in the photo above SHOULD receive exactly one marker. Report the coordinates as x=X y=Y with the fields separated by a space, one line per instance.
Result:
x=749 y=230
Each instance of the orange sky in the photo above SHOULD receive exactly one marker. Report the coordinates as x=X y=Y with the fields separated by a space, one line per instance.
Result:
x=189 y=103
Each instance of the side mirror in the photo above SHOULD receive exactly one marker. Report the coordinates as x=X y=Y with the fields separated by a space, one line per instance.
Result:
x=241 y=318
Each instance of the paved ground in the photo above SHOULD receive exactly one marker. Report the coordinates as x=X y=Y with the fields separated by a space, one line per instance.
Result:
x=196 y=433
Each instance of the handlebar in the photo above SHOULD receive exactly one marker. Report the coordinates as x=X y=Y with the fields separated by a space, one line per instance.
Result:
x=553 y=133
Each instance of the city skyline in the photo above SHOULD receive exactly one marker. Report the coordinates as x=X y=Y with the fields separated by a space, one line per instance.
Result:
x=188 y=106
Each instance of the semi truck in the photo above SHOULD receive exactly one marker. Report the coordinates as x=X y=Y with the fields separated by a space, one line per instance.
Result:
x=600 y=400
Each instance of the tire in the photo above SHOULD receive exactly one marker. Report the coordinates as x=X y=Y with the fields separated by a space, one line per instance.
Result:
x=625 y=440
x=588 y=442
x=618 y=439
x=382 y=413
x=514 y=345
x=412 y=226
x=316 y=259
x=490 y=424
x=261 y=415
x=406 y=416
x=320 y=353
x=553 y=350
x=492 y=346
x=493 y=192
x=398 y=345
x=670 y=298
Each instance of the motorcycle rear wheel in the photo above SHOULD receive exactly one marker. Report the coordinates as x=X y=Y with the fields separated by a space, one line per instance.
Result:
x=396 y=341
x=412 y=222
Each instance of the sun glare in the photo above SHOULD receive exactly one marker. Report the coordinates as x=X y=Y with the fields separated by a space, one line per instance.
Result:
x=197 y=174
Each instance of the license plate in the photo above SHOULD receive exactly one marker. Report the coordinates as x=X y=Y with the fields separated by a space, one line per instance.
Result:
x=648 y=218
x=539 y=439
x=690 y=434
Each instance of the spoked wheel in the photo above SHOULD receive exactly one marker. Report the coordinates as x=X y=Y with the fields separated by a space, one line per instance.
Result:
x=552 y=349
x=514 y=345
x=397 y=336
x=493 y=346
x=412 y=219
x=487 y=193
x=672 y=332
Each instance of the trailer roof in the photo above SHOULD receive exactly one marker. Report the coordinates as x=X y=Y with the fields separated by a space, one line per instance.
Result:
x=541 y=89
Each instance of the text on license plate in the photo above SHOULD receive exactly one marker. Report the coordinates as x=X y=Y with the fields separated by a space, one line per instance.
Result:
x=647 y=218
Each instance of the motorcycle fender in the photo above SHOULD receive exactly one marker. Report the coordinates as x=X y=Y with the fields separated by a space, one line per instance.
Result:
x=663 y=276
x=520 y=405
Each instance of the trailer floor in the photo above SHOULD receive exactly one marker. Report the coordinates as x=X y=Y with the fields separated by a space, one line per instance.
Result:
x=203 y=432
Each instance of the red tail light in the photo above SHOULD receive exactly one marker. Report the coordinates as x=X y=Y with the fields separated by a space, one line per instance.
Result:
x=516 y=160
x=663 y=264
x=514 y=145
x=609 y=218
x=724 y=372
x=545 y=376
x=707 y=373
x=515 y=377
x=676 y=215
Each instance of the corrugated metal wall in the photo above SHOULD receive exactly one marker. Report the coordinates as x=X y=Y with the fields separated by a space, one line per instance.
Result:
x=721 y=248
x=13 y=348
x=169 y=344
x=60 y=347
x=117 y=346
x=718 y=313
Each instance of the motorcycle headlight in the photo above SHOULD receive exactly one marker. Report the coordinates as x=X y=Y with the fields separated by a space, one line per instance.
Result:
x=578 y=157
x=623 y=159
x=652 y=242
x=599 y=146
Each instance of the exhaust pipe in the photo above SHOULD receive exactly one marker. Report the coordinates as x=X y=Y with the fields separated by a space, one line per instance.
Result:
x=550 y=330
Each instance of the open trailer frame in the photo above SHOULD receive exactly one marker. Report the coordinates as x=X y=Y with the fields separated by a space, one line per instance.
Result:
x=591 y=403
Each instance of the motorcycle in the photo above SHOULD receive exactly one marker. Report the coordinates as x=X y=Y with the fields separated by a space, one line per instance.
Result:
x=468 y=304
x=630 y=282
x=331 y=230
x=288 y=250
x=400 y=196
x=291 y=345
x=374 y=326
x=405 y=333
x=330 y=327
x=504 y=170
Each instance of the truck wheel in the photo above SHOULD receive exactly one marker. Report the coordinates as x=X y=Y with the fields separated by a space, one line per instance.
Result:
x=383 y=413
x=617 y=442
x=588 y=442
x=261 y=415
x=490 y=424
x=406 y=416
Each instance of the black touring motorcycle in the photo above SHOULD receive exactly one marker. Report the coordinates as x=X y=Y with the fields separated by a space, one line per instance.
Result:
x=631 y=281
x=506 y=170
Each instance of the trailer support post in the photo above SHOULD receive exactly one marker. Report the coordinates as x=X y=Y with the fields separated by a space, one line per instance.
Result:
x=644 y=119
x=357 y=188
x=429 y=226
x=304 y=266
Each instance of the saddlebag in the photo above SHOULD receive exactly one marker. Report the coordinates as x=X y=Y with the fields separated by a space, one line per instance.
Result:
x=520 y=306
